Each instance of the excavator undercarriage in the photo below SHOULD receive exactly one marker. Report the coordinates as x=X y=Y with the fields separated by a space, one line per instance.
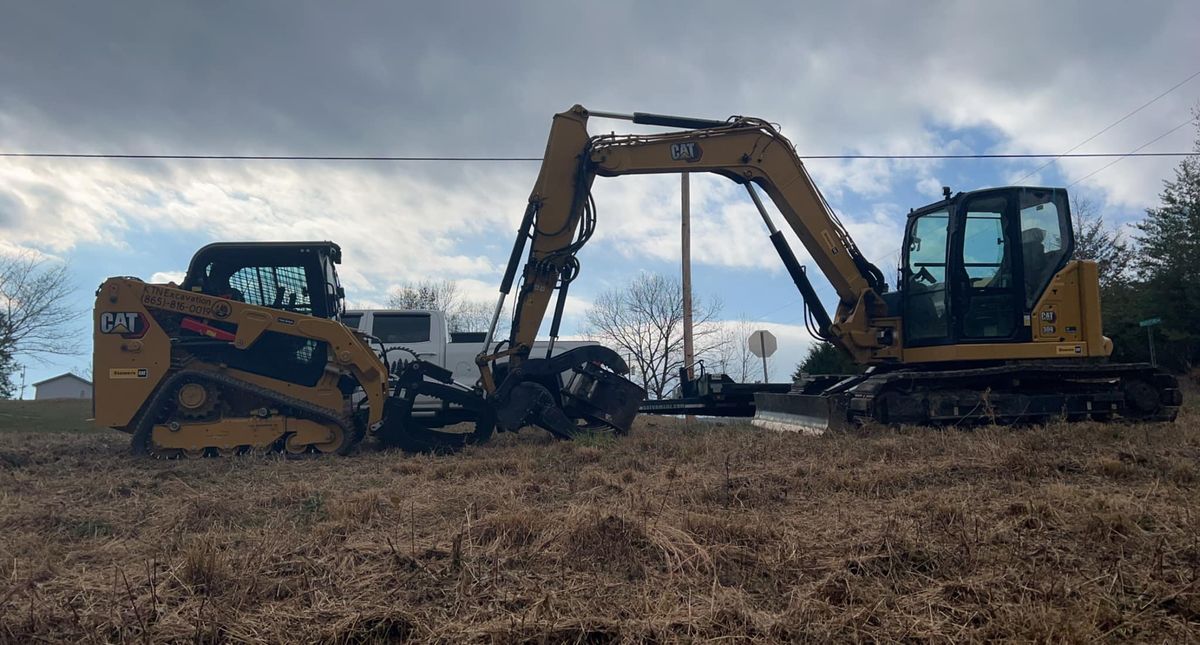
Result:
x=1015 y=393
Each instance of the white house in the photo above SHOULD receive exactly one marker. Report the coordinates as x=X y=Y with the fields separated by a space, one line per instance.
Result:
x=63 y=386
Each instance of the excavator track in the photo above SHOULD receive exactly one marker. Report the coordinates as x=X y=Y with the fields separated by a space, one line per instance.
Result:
x=1018 y=392
x=270 y=431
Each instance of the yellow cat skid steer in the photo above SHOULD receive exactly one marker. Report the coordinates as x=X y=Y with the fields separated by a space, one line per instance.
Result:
x=246 y=354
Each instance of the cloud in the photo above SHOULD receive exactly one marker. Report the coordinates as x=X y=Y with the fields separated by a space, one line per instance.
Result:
x=161 y=277
x=432 y=79
x=392 y=226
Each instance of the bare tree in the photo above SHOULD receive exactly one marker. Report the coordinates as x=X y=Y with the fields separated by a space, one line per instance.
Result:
x=732 y=355
x=1095 y=240
x=34 y=308
x=8 y=367
x=462 y=315
x=436 y=295
x=643 y=321
x=476 y=315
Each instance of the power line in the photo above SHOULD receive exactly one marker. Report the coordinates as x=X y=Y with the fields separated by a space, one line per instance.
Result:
x=190 y=157
x=1122 y=157
x=66 y=155
x=1108 y=127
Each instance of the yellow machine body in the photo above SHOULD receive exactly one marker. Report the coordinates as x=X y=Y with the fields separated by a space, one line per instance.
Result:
x=188 y=371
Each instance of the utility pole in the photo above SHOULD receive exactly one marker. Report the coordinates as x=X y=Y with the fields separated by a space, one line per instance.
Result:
x=21 y=396
x=689 y=351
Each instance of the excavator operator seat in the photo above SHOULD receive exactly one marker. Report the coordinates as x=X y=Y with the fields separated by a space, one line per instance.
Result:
x=1033 y=252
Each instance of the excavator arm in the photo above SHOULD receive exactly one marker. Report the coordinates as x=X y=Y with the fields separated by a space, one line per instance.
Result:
x=749 y=151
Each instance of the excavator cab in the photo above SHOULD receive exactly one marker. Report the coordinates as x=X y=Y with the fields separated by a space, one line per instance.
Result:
x=975 y=264
x=297 y=277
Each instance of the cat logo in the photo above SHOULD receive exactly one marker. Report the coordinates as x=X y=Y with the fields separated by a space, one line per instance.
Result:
x=129 y=324
x=689 y=151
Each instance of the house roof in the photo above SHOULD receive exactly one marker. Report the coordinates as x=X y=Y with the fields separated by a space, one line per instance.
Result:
x=63 y=375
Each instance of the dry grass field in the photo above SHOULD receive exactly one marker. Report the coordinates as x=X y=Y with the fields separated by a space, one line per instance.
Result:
x=1056 y=533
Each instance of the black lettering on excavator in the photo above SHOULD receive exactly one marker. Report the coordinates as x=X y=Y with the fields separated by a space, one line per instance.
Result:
x=185 y=302
x=688 y=151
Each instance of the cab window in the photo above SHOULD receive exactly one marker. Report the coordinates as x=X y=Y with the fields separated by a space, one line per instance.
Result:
x=984 y=248
x=925 y=278
x=986 y=304
x=1045 y=238
x=278 y=287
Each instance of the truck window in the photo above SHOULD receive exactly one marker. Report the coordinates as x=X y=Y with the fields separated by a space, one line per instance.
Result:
x=468 y=336
x=351 y=320
x=401 y=328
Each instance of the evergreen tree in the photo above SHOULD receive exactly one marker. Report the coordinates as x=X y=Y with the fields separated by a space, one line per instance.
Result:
x=1121 y=296
x=1168 y=263
x=826 y=358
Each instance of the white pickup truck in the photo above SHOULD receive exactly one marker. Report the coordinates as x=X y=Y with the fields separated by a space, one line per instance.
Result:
x=426 y=333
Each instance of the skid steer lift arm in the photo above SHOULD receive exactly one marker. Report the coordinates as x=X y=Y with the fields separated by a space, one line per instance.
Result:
x=560 y=219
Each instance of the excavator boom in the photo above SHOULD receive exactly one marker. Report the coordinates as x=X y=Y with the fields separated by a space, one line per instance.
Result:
x=748 y=151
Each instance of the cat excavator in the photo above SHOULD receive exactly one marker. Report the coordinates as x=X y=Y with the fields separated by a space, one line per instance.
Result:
x=992 y=321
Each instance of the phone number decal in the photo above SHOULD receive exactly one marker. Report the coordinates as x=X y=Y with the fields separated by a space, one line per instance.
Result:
x=185 y=302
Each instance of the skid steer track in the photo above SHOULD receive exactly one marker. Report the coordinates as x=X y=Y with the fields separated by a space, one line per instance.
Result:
x=344 y=434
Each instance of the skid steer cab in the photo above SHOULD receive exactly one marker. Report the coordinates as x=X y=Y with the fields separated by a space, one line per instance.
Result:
x=248 y=353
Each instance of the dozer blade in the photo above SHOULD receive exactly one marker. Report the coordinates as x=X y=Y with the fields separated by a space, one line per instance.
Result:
x=810 y=414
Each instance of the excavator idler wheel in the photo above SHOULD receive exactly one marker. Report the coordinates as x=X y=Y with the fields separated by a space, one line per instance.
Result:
x=1141 y=398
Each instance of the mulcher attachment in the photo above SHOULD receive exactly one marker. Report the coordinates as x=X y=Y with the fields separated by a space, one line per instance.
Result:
x=1011 y=393
x=596 y=397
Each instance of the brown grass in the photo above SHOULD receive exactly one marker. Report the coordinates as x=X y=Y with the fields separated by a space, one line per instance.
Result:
x=1057 y=533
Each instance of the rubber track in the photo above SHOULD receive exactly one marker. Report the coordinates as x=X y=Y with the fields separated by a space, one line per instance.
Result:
x=922 y=382
x=145 y=424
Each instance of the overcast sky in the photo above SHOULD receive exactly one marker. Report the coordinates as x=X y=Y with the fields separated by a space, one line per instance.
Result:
x=484 y=78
